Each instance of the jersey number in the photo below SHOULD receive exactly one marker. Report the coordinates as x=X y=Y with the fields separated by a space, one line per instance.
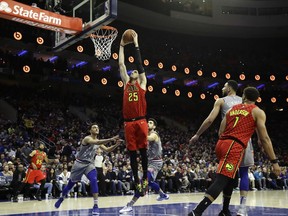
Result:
x=39 y=162
x=133 y=96
x=236 y=121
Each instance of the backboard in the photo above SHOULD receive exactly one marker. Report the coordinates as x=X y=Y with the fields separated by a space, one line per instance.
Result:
x=95 y=14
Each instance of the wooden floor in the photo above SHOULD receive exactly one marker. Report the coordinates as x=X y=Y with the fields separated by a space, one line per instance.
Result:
x=259 y=202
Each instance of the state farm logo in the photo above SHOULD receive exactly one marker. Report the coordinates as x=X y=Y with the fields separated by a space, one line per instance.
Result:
x=5 y=7
x=30 y=13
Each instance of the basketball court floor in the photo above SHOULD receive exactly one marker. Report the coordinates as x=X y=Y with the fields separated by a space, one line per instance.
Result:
x=266 y=203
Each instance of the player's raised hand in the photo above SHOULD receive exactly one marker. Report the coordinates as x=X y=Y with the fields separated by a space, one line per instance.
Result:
x=135 y=38
x=122 y=43
x=193 y=139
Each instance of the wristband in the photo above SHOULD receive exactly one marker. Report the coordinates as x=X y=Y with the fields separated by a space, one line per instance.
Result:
x=274 y=161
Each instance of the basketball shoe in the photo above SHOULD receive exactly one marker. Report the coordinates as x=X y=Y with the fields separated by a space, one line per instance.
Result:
x=163 y=197
x=144 y=187
x=95 y=210
x=139 y=189
x=242 y=211
x=58 y=203
x=126 y=209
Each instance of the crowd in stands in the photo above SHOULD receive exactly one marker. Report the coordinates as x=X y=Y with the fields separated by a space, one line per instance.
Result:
x=186 y=168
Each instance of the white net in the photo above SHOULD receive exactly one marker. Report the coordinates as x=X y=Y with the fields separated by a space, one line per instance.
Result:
x=103 y=39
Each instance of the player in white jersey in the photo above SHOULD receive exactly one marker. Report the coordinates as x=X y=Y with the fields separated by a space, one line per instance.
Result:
x=155 y=163
x=84 y=164
x=224 y=104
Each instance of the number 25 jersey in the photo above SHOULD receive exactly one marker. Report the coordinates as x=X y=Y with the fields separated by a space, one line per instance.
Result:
x=134 y=101
x=240 y=123
x=38 y=158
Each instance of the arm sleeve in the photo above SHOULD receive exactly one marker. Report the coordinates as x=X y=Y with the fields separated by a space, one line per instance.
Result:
x=138 y=61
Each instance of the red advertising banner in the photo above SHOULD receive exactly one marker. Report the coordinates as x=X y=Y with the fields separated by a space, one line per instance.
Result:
x=37 y=17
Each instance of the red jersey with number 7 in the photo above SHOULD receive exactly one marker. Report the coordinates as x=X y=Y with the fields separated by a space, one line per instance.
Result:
x=38 y=158
x=134 y=101
x=240 y=124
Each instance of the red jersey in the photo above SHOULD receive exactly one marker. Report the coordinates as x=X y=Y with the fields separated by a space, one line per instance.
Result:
x=240 y=124
x=38 y=158
x=134 y=101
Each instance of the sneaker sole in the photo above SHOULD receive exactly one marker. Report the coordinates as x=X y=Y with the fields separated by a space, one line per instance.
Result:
x=125 y=212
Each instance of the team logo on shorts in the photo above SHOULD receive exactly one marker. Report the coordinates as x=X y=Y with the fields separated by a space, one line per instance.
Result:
x=229 y=167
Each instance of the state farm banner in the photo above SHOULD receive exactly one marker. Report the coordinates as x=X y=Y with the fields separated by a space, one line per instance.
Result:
x=37 y=17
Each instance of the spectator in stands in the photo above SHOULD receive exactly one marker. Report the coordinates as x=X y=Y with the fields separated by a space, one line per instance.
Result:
x=18 y=177
x=66 y=150
x=192 y=177
x=6 y=171
x=284 y=178
x=185 y=187
x=25 y=151
x=111 y=180
x=251 y=180
x=161 y=178
x=169 y=178
x=259 y=179
x=99 y=159
x=48 y=185
x=211 y=176
x=85 y=183
x=52 y=178
x=128 y=177
x=272 y=180
x=63 y=179
x=11 y=166
x=178 y=179
x=3 y=159
x=123 y=185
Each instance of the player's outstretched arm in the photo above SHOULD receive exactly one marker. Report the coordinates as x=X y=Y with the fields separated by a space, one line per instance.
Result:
x=260 y=118
x=138 y=62
x=208 y=121
x=122 y=66
x=152 y=137
x=90 y=140
x=111 y=148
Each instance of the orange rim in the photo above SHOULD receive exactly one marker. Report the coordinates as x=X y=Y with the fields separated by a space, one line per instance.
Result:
x=93 y=35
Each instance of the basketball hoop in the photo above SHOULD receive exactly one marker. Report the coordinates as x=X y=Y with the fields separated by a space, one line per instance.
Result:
x=103 y=39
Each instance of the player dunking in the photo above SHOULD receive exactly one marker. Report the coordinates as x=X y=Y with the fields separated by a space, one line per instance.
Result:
x=224 y=104
x=236 y=129
x=84 y=164
x=34 y=174
x=155 y=163
x=134 y=113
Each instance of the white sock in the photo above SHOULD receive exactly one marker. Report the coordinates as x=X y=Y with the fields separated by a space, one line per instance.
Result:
x=95 y=201
x=243 y=201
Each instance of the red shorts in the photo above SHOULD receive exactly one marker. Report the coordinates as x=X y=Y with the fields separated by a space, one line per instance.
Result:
x=33 y=176
x=136 y=133
x=229 y=153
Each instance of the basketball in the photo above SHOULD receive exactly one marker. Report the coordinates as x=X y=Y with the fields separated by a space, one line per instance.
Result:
x=127 y=36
